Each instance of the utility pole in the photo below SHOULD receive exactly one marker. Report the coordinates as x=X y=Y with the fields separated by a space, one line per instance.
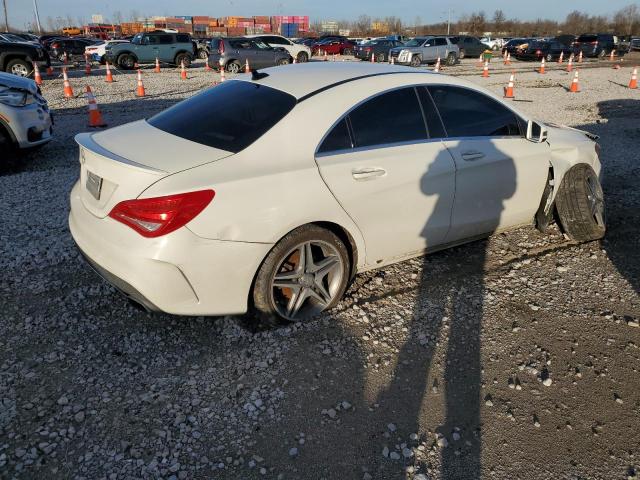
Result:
x=6 y=18
x=35 y=10
x=448 y=22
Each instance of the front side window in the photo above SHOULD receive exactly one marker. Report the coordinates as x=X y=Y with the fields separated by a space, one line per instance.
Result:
x=391 y=117
x=230 y=116
x=467 y=113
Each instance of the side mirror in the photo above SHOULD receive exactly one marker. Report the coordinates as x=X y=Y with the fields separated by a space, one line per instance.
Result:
x=536 y=132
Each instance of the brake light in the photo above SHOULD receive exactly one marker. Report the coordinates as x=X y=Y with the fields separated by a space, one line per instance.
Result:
x=154 y=217
x=594 y=43
x=368 y=49
x=221 y=47
x=55 y=45
x=538 y=52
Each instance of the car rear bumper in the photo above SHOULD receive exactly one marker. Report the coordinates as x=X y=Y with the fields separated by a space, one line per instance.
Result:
x=180 y=273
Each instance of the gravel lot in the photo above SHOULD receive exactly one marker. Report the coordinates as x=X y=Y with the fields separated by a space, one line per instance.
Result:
x=514 y=357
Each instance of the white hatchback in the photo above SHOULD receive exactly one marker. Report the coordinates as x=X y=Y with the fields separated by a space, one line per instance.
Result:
x=301 y=53
x=271 y=191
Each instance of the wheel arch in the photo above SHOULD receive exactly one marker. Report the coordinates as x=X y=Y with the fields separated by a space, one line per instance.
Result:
x=125 y=52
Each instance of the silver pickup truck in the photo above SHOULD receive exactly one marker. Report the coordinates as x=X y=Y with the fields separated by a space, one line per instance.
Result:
x=421 y=50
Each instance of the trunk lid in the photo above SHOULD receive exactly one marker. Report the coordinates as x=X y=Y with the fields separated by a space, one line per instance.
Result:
x=120 y=163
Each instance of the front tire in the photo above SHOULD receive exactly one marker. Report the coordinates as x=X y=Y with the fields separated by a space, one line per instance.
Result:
x=233 y=67
x=19 y=67
x=283 y=61
x=416 y=61
x=202 y=54
x=126 y=61
x=304 y=274
x=347 y=51
x=580 y=204
x=451 y=59
x=302 y=57
x=549 y=57
x=380 y=58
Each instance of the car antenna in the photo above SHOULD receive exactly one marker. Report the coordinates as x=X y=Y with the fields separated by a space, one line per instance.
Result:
x=256 y=75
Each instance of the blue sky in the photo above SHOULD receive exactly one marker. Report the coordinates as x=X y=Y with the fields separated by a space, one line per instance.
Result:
x=21 y=11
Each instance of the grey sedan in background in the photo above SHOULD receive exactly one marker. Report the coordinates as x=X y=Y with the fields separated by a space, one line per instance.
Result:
x=233 y=53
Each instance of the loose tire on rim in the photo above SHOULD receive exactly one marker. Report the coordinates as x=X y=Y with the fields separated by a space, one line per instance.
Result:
x=580 y=204
x=304 y=274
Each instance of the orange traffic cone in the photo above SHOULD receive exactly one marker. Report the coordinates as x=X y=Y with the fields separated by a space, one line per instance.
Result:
x=612 y=56
x=325 y=55
x=294 y=60
x=65 y=60
x=570 y=63
x=575 y=85
x=109 y=78
x=36 y=74
x=485 y=69
x=207 y=68
x=87 y=65
x=542 y=65
x=246 y=66
x=49 y=71
x=633 y=83
x=95 y=117
x=157 y=69
x=68 y=91
x=480 y=60
x=437 y=67
x=580 y=57
x=140 y=90
x=508 y=91
x=373 y=57
x=333 y=57
x=222 y=77
x=507 y=58
x=561 y=58
x=183 y=72
x=393 y=61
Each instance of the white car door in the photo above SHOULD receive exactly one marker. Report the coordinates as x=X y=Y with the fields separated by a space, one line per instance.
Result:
x=395 y=182
x=500 y=176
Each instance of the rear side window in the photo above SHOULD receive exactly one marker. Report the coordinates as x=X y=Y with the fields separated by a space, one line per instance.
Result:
x=182 y=38
x=587 y=38
x=230 y=116
x=337 y=139
x=440 y=42
x=466 y=113
x=388 y=118
x=165 y=39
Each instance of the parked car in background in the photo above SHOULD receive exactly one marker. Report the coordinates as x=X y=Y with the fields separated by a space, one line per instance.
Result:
x=171 y=48
x=469 y=46
x=29 y=37
x=378 y=48
x=18 y=57
x=308 y=41
x=233 y=53
x=421 y=50
x=300 y=52
x=97 y=51
x=595 y=44
x=70 y=48
x=10 y=37
x=334 y=45
x=634 y=45
x=25 y=121
x=515 y=44
x=249 y=216
x=493 y=43
x=539 y=49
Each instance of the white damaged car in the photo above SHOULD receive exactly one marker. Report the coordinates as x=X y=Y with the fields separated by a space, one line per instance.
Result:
x=223 y=203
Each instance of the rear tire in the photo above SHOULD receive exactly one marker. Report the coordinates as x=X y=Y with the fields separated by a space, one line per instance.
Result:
x=270 y=301
x=233 y=67
x=347 y=51
x=283 y=61
x=549 y=57
x=380 y=58
x=202 y=54
x=462 y=54
x=580 y=204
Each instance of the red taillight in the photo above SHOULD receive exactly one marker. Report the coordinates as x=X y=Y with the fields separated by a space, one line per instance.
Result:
x=594 y=43
x=538 y=52
x=55 y=45
x=154 y=217
x=221 y=47
x=367 y=49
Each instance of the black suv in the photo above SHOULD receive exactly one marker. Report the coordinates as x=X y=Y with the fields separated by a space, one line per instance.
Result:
x=69 y=47
x=469 y=46
x=18 y=58
x=595 y=44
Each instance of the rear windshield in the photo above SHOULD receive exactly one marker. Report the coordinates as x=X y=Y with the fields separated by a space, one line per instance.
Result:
x=230 y=116
x=587 y=38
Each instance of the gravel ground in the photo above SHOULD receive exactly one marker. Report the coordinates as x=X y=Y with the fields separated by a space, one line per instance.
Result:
x=514 y=357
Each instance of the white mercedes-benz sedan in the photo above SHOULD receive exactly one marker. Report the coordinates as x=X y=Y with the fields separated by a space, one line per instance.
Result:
x=269 y=192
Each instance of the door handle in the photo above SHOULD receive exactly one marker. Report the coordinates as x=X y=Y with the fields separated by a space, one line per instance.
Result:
x=470 y=156
x=367 y=173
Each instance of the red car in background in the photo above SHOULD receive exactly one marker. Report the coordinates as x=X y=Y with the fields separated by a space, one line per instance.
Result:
x=333 y=46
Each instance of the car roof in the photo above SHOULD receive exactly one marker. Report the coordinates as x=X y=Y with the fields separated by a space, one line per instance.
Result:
x=304 y=79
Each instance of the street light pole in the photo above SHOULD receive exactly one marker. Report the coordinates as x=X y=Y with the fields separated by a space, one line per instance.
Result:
x=35 y=10
x=6 y=18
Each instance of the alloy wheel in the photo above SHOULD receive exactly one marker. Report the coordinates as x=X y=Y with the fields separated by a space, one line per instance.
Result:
x=596 y=200
x=307 y=280
x=20 y=70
